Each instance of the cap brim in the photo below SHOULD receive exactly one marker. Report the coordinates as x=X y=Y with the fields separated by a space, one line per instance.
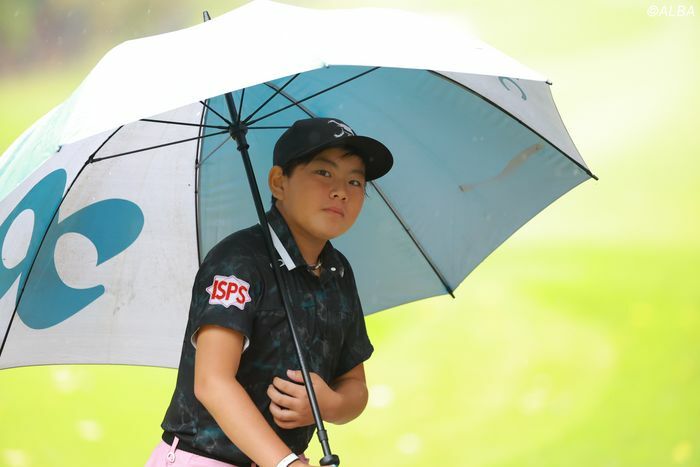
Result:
x=377 y=157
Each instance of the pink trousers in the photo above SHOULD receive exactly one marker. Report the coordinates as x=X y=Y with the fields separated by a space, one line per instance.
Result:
x=165 y=455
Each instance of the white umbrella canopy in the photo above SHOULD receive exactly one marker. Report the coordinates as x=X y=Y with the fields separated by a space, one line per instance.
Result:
x=110 y=201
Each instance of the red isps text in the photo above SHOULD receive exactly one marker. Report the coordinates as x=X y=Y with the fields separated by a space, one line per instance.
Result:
x=224 y=289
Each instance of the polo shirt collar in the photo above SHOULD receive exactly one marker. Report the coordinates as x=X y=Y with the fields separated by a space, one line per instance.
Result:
x=289 y=252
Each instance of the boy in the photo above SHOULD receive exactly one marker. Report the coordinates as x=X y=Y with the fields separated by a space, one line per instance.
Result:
x=237 y=398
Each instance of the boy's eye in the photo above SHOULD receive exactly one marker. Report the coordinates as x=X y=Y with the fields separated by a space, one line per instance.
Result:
x=323 y=172
x=357 y=183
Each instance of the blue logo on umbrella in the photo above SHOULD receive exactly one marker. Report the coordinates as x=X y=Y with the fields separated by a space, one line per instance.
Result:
x=112 y=225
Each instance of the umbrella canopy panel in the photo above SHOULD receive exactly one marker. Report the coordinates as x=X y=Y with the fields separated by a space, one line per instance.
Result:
x=467 y=173
x=108 y=268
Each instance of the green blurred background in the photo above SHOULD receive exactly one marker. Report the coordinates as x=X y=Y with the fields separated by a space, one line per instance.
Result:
x=577 y=343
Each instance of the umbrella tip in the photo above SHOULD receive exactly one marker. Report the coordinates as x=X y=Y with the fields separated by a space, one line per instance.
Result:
x=206 y=16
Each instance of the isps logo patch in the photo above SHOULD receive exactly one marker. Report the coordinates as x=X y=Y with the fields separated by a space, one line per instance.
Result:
x=229 y=290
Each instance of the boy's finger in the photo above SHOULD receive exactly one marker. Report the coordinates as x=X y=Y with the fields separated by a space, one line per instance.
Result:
x=288 y=387
x=299 y=378
x=280 y=398
x=281 y=414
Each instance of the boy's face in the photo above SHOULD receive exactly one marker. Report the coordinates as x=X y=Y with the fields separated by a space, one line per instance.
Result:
x=323 y=198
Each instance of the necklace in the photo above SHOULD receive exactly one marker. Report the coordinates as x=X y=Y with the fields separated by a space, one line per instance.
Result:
x=314 y=267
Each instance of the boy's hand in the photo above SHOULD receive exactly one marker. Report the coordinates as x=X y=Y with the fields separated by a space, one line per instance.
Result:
x=289 y=403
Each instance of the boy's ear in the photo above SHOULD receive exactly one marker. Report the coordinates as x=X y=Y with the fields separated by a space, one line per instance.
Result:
x=275 y=179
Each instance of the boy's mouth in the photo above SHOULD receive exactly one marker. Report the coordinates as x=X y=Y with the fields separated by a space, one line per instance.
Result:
x=336 y=211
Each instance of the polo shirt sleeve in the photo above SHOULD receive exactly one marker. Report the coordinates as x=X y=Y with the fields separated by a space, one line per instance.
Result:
x=356 y=344
x=226 y=292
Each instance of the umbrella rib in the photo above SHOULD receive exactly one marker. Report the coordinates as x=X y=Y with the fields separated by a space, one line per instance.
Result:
x=153 y=120
x=197 y=153
x=267 y=127
x=199 y=164
x=215 y=112
x=251 y=122
x=505 y=111
x=41 y=243
x=158 y=146
x=414 y=239
x=291 y=99
x=240 y=108
x=270 y=98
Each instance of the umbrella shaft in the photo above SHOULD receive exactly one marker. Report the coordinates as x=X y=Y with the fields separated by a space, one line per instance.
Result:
x=238 y=131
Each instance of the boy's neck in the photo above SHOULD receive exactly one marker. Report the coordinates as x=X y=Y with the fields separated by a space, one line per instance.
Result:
x=309 y=247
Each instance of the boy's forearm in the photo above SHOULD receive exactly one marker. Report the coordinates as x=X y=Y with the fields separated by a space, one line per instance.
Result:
x=233 y=409
x=351 y=403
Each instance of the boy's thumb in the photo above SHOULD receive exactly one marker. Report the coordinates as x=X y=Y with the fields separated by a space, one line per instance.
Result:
x=293 y=373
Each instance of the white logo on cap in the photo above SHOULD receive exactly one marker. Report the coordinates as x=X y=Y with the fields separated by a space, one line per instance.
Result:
x=344 y=129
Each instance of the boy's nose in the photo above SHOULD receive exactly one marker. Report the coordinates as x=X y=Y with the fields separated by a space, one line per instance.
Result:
x=339 y=191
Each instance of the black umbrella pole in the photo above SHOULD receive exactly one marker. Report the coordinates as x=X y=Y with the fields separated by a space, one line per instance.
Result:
x=238 y=131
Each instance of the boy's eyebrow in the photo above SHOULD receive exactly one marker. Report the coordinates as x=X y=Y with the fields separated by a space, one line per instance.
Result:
x=323 y=159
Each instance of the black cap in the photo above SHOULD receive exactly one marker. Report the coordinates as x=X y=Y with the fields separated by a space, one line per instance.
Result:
x=315 y=134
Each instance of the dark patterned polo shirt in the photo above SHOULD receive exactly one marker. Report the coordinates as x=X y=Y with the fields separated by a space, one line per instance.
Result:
x=235 y=287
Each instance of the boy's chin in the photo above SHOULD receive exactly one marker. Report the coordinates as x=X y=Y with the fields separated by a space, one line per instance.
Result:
x=330 y=231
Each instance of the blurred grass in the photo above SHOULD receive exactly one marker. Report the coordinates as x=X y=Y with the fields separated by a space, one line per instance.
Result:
x=566 y=363
x=574 y=344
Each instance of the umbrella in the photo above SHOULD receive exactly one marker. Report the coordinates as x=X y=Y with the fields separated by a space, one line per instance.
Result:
x=110 y=201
